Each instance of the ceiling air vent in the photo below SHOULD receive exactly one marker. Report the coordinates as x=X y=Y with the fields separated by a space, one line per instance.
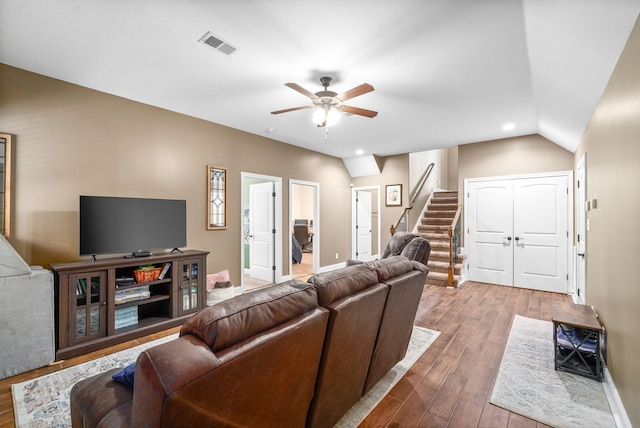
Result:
x=217 y=43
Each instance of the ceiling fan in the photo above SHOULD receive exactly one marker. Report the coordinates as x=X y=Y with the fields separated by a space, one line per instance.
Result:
x=330 y=102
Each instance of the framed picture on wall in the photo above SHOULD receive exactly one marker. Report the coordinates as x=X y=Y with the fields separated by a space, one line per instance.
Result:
x=393 y=195
x=216 y=197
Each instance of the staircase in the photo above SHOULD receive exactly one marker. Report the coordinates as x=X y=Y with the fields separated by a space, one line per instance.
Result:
x=434 y=226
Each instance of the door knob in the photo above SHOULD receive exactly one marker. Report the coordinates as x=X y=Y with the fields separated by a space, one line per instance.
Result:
x=517 y=238
x=507 y=238
x=581 y=254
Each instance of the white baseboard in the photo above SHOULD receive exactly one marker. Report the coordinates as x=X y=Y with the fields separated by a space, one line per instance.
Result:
x=617 y=409
x=332 y=267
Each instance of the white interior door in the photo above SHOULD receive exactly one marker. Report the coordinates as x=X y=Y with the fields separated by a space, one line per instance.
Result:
x=518 y=232
x=363 y=225
x=540 y=231
x=581 y=225
x=490 y=231
x=261 y=232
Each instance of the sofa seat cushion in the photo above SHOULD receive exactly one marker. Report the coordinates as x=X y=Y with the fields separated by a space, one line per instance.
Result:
x=247 y=315
x=100 y=401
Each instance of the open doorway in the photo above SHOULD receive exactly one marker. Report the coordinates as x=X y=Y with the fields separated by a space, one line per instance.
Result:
x=304 y=254
x=261 y=249
x=365 y=221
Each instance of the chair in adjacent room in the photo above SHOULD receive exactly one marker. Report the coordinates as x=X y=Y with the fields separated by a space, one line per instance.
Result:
x=302 y=235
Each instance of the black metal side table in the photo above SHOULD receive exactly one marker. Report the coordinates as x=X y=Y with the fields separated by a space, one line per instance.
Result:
x=578 y=340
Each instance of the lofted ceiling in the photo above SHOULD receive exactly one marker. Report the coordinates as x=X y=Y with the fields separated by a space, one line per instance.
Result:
x=445 y=72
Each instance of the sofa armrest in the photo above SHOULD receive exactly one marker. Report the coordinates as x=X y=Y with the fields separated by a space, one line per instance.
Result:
x=162 y=370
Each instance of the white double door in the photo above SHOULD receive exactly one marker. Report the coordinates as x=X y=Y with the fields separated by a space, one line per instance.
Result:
x=518 y=231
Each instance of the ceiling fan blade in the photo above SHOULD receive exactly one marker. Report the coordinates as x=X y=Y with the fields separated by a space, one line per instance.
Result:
x=359 y=111
x=355 y=92
x=302 y=90
x=291 y=109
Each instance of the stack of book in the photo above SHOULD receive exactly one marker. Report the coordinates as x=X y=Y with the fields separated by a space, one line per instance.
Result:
x=126 y=316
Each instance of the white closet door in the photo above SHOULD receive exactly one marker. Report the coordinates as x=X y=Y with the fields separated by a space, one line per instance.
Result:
x=518 y=232
x=540 y=233
x=490 y=225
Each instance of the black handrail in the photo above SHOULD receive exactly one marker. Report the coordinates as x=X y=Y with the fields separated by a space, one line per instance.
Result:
x=416 y=193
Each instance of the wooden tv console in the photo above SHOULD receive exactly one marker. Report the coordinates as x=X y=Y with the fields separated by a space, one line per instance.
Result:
x=99 y=303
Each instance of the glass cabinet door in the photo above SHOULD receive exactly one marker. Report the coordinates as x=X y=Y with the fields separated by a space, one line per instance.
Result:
x=189 y=287
x=88 y=308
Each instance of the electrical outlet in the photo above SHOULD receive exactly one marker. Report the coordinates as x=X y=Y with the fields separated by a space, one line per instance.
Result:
x=336 y=256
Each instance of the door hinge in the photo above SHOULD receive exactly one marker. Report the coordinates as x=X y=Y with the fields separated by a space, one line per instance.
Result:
x=567 y=277
x=273 y=231
x=578 y=184
x=578 y=237
x=567 y=233
x=273 y=194
x=273 y=267
x=578 y=292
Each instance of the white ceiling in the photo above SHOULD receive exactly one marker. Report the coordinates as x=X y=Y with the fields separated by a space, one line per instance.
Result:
x=445 y=72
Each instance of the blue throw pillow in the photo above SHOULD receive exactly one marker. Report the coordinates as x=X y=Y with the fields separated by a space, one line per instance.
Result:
x=125 y=376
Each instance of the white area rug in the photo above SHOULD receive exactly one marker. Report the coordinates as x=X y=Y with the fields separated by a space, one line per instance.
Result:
x=529 y=385
x=44 y=401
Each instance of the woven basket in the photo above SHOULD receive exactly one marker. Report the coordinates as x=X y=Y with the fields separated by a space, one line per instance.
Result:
x=146 y=275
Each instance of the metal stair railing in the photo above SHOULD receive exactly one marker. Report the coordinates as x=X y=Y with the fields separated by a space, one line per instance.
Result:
x=401 y=224
x=454 y=245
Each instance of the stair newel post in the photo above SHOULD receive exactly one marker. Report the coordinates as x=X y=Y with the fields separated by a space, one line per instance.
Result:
x=450 y=268
x=453 y=232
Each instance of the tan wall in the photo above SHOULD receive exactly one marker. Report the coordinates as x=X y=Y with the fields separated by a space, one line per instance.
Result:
x=70 y=140
x=452 y=168
x=612 y=145
x=530 y=154
x=394 y=170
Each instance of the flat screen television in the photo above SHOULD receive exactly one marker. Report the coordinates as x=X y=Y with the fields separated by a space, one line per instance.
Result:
x=110 y=225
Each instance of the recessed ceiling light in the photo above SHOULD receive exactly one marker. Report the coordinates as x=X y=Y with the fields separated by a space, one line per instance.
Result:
x=359 y=152
x=508 y=126
x=270 y=130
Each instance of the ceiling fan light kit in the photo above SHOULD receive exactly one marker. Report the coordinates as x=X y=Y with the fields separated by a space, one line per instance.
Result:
x=330 y=102
x=328 y=116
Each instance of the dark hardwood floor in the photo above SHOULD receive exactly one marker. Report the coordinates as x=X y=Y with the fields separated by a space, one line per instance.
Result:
x=449 y=386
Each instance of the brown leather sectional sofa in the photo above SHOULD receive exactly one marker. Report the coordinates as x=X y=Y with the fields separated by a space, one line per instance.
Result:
x=292 y=355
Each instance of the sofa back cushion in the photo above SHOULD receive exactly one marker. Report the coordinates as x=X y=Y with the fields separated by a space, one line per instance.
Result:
x=391 y=267
x=405 y=280
x=234 y=320
x=337 y=284
x=410 y=245
x=355 y=300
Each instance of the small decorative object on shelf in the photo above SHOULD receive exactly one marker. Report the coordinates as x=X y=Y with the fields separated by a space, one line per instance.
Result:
x=147 y=273
x=579 y=340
